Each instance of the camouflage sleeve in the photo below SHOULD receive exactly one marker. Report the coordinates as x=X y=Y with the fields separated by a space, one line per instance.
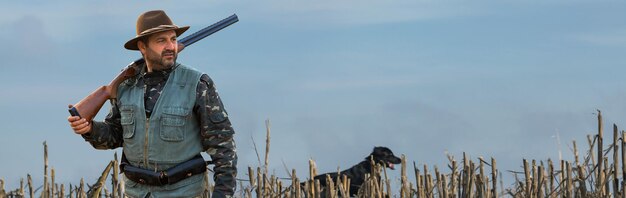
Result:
x=217 y=134
x=107 y=134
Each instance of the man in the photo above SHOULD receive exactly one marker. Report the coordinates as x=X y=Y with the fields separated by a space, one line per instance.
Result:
x=163 y=118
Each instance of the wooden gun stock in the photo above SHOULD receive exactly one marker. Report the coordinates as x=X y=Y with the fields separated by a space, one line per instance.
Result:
x=89 y=106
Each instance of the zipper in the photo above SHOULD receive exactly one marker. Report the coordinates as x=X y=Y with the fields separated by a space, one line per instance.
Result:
x=145 y=145
x=147 y=131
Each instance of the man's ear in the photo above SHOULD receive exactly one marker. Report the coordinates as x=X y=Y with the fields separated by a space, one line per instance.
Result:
x=142 y=46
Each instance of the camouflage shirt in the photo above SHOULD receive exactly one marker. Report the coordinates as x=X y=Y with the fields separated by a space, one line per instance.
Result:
x=215 y=127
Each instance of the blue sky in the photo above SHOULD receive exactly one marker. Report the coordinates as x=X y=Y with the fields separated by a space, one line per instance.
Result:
x=335 y=78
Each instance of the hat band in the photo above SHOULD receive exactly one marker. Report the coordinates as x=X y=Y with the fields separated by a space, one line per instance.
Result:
x=156 y=29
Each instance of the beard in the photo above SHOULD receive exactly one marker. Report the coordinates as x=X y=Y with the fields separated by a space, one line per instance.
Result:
x=158 y=61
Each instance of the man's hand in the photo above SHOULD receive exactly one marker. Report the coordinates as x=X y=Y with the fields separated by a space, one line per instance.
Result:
x=79 y=125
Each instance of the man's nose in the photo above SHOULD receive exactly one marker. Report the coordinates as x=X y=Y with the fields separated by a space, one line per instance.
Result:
x=171 y=45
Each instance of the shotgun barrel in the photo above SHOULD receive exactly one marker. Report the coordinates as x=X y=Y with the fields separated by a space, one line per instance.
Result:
x=89 y=106
x=191 y=39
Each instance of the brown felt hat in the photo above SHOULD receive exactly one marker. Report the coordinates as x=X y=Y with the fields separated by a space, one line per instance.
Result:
x=151 y=22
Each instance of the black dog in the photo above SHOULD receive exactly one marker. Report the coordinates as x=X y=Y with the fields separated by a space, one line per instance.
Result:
x=380 y=155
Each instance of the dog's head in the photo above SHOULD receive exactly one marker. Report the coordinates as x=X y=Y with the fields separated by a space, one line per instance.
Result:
x=383 y=155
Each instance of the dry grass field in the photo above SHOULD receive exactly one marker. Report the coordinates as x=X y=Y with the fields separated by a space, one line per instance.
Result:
x=599 y=172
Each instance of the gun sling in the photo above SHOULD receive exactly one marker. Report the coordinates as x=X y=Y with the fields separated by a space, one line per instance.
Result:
x=194 y=166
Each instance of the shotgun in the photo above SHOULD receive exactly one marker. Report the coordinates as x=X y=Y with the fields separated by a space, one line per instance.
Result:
x=89 y=106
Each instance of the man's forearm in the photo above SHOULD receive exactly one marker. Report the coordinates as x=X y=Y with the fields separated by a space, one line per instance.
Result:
x=103 y=136
x=224 y=156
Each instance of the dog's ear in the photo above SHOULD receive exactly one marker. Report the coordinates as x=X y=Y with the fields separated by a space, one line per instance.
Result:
x=379 y=153
x=372 y=154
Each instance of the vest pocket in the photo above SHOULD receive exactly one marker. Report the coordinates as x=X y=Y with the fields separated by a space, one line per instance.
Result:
x=173 y=124
x=128 y=121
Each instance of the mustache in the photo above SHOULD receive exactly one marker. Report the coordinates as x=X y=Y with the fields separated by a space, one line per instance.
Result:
x=166 y=52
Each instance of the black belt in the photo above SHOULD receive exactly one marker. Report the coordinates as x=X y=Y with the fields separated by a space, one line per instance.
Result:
x=194 y=166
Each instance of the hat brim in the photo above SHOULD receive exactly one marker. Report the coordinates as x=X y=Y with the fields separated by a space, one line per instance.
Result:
x=132 y=43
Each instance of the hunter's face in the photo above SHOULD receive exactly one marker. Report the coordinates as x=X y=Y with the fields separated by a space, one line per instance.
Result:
x=161 y=51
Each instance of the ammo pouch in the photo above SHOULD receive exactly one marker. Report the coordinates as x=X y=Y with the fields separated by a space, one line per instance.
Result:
x=194 y=166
